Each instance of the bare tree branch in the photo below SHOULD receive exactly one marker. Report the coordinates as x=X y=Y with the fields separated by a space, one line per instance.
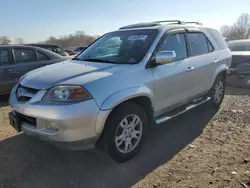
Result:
x=239 y=30
x=79 y=38
x=5 y=40
x=19 y=41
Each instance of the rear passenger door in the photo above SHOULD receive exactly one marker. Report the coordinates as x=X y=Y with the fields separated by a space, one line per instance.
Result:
x=25 y=60
x=7 y=69
x=201 y=54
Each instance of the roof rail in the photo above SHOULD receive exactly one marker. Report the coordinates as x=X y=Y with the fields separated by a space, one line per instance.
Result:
x=150 y=24
x=198 y=23
x=175 y=21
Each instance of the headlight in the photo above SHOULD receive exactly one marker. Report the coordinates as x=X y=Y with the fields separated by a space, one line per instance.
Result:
x=66 y=93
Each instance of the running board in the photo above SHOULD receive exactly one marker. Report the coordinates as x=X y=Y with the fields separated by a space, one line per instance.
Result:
x=187 y=108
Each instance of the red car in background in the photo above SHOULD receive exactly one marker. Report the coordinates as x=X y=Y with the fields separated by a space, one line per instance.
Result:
x=75 y=50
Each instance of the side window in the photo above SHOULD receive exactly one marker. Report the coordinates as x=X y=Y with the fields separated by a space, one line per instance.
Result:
x=42 y=57
x=175 y=43
x=24 y=55
x=4 y=57
x=60 y=50
x=49 y=48
x=210 y=47
x=54 y=50
x=198 y=44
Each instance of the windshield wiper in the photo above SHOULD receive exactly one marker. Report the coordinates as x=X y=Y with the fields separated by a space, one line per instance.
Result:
x=98 y=60
x=76 y=58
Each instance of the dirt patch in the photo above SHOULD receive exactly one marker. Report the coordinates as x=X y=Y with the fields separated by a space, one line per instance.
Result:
x=220 y=157
x=201 y=148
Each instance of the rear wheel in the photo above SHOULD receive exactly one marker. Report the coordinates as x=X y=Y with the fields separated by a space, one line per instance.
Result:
x=126 y=131
x=218 y=91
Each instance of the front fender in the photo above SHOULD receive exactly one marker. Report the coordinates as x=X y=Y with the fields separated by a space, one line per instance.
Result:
x=125 y=95
x=220 y=69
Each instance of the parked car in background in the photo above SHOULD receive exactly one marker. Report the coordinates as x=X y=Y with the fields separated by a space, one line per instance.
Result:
x=16 y=60
x=240 y=68
x=75 y=50
x=52 y=47
x=112 y=96
x=241 y=57
x=79 y=48
x=71 y=52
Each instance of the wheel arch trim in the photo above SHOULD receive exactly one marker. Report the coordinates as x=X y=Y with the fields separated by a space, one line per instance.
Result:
x=219 y=70
x=117 y=98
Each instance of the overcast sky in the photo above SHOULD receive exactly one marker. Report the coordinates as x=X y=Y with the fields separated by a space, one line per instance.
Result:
x=35 y=20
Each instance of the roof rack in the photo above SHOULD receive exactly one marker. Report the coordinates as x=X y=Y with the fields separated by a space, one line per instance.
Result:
x=198 y=23
x=150 y=24
x=157 y=23
x=175 y=21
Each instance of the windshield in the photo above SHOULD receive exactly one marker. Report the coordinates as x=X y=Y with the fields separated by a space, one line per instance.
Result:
x=121 y=47
x=239 y=47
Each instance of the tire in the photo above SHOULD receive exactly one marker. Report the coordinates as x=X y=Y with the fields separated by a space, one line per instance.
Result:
x=218 y=91
x=119 y=132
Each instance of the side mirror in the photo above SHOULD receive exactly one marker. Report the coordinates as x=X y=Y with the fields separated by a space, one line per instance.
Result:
x=165 y=57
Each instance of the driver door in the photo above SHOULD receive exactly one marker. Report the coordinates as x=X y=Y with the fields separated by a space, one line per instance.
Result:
x=173 y=81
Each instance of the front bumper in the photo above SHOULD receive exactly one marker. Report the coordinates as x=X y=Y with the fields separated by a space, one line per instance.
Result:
x=69 y=125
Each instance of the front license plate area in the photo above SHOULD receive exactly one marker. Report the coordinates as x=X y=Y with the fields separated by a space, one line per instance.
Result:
x=15 y=122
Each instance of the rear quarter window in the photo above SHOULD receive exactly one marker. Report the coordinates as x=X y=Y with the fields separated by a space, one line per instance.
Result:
x=217 y=38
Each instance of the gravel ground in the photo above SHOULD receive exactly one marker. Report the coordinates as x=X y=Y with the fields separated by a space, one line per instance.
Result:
x=201 y=148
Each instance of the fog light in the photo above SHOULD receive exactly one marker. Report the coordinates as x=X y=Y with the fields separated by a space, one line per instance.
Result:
x=52 y=125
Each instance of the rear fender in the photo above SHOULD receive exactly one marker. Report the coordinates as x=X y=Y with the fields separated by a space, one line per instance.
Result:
x=219 y=70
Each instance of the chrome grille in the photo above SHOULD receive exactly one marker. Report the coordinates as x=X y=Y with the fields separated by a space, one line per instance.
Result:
x=24 y=93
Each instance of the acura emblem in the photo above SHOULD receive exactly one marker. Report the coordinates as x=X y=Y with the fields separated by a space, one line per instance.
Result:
x=19 y=92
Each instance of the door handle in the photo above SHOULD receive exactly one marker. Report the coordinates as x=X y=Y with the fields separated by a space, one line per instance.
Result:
x=190 y=69
x=216 y=60
x=7 y=70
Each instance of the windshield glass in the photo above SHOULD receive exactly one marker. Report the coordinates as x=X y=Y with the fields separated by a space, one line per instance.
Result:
x=239 y=47
x=121 y=47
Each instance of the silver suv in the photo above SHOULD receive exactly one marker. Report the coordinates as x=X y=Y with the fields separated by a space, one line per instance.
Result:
x=125 y=82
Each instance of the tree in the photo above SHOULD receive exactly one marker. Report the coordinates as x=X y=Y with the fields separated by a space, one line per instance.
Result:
x=19 y=41
x=239 y=30
x=5 y=40
x=79 y=38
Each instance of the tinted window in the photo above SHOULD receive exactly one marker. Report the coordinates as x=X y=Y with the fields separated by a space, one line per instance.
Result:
x=24 y=55
x=42 y=57
x=198 y=43
x=121 y=47
x=217 y=38
x=60 y=50
x=175 y=43
x=4 y=56
x=49 y=48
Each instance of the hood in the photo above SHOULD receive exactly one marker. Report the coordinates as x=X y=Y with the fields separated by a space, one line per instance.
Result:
x=241 y=53
x=68 y=72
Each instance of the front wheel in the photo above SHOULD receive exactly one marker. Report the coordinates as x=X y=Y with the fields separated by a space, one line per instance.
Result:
x=218 y=91
x=126 y=131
